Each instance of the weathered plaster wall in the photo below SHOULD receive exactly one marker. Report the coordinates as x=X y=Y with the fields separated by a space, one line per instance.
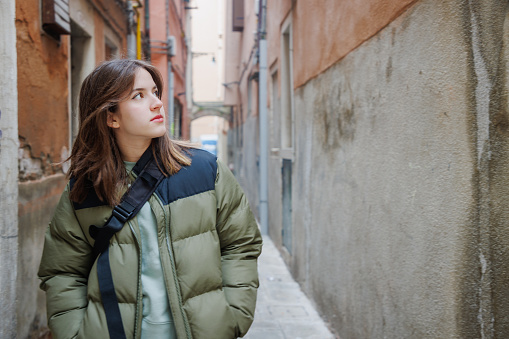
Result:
x=43 y=113
x=43 y=87
x=400 y=178
x=8 y=171
x=37 y=200
x=494 y=103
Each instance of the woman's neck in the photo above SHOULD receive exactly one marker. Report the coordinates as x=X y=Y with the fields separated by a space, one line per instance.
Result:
x=132 y=152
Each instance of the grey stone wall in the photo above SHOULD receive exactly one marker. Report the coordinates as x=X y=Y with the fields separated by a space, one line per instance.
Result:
x=245 y=159
x=400 y=179
x=37 y=201
x=8 y=170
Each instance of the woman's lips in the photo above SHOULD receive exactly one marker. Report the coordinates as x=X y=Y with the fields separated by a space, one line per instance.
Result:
x=158 y=118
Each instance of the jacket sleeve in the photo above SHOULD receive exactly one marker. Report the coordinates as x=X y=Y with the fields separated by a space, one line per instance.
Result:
x=65 y=265
x=241 y=244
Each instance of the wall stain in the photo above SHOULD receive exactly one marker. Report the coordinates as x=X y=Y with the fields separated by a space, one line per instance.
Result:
x=334 y=114
x=388 y=70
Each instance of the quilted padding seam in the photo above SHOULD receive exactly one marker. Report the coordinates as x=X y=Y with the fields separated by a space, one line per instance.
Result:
x=194 y=296
x=192 y=236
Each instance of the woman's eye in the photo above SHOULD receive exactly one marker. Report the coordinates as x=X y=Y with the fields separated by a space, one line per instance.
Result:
x=137 y=96
x=156 y=93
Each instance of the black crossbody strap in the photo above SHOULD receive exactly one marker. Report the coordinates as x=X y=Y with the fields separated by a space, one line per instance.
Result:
x=133 y=200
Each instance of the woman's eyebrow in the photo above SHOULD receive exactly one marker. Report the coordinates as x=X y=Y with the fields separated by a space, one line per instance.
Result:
x=142 y=89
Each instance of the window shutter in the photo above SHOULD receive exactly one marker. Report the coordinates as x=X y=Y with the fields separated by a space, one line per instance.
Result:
x=55 y=17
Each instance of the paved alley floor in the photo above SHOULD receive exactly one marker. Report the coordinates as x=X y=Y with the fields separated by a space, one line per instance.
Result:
x=282 y=309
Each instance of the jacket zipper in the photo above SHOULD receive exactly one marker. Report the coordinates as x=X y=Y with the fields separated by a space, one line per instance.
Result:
x=139 y=280
x=172 y=261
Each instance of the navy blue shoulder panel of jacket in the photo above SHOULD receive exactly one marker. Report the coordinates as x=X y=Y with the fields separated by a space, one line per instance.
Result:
x=196 y=178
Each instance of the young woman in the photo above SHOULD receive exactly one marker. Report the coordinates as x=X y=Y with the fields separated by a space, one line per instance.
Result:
x=186 y=265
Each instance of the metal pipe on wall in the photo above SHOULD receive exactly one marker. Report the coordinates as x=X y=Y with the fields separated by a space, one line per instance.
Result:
x=264 y=144
x=138 y=36
x=170 y=73
x=131 y=38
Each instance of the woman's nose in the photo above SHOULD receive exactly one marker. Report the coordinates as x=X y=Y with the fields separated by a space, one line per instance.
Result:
x=157 y=103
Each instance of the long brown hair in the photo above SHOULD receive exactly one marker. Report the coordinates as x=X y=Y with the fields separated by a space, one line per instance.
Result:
x=96 y=162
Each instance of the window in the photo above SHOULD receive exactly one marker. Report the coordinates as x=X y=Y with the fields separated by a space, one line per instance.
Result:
x=286 y=172
x=274 y=111
x=237 y=15
x=110 y=50
x=177 y=119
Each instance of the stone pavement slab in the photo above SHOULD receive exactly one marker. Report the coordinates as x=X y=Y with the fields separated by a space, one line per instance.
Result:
x=282 y=310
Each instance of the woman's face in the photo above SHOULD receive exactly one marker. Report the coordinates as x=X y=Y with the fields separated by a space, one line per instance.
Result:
x=140 y=117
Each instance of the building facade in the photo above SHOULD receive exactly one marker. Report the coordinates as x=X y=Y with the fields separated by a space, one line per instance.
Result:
x=241 y=93
x=387 y=160
x=167 y=32
x=48 y=48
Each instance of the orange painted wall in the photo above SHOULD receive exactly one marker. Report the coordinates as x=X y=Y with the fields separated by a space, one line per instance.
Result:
x=99 y=37
x=277 y=11
x=42 y=85
x=325 y=33
x=329 y=31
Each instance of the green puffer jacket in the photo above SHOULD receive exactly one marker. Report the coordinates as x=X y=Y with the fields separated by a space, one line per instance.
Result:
x=209 y=243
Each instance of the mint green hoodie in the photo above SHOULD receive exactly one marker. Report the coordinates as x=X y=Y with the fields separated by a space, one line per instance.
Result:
x=157 y=321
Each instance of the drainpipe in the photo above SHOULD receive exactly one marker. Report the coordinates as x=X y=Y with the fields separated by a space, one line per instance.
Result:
x=138 y=29
x=170 y=73
x=138 y=36
x=264 y=145
x=131 y=38
x=148 y=49
x=171 y=90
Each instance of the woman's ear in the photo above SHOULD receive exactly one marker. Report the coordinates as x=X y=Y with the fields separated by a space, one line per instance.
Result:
x=112 y=120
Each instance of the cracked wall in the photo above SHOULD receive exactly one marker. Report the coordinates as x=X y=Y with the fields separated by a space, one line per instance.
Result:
x=8 y=171
x=43 y=138
x=400 y=216
x=45 y=81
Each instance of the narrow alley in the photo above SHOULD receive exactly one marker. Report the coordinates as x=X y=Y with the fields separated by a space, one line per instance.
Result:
x=370 y=138
x=282 y=310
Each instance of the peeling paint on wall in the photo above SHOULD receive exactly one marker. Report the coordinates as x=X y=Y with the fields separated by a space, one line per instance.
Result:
x=482 y=90
x=32 y=167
